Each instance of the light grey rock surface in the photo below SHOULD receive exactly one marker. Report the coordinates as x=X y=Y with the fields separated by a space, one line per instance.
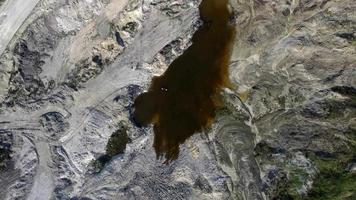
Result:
x=70 y=71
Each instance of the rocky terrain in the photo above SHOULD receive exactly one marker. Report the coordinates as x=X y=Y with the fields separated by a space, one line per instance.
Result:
x=71 y=69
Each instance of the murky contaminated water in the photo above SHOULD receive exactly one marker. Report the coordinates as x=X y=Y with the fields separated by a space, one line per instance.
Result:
x=183 y=100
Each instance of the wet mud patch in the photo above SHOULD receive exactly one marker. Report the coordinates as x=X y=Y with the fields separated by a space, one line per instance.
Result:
x=117 y=142
x=116 y=145
x=184 y=99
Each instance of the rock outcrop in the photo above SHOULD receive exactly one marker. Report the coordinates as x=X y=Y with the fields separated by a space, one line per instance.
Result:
x=71 y=70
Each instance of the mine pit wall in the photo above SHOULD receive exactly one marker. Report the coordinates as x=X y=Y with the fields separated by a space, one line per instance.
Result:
x=288 y=60
x=296 y=79
x=78 y=105
x=9 y=25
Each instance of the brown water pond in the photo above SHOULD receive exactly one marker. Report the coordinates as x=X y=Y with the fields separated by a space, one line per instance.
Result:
x=184 y=99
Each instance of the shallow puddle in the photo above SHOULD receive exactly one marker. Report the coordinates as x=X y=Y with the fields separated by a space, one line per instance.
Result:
x=183 y=100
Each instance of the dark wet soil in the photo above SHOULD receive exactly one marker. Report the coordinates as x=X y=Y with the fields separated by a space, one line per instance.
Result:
x=117 y=142
x=183 y=100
